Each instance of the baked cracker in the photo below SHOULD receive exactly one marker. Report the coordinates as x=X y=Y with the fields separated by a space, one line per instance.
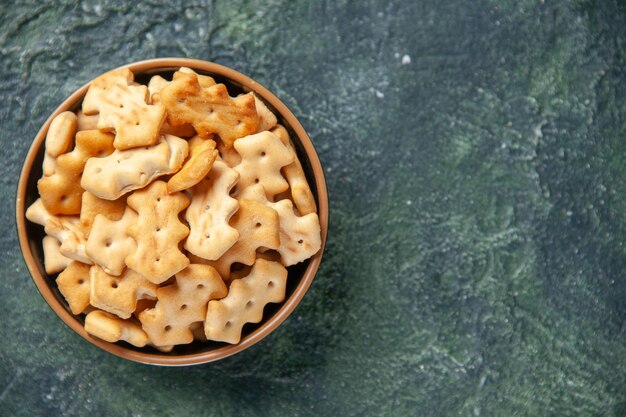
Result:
x=246 y=299
x=158 y=232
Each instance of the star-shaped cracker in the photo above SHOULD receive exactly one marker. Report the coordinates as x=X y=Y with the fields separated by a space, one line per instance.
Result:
x=294 y=174
x=109 y=244
x=300 y=236
x=245 y=301
x=181 y=304
x=118 y=295
x=123 y=107
x=257 y=225
x=262 y=157
x=111 y=177
x=209 y=109
x=158 y=232
x=61 y=192
x=209 y=213
x=73 y=283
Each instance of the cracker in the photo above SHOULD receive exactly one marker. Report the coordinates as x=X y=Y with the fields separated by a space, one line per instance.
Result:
x=118 y=295
x=61 y=192
x=73 y=283
x=298 y=184
x=123 y=171
x=123 y=107
x=59 y=140
x=202 y=154
x=181 y=304
x=209 y=109
x=156 y=84
x=267 y=119
x=111 y=328
x=158 y=232
x=209 y=213
x=300 y=236
x=108 y=244
x=71 y=236
x=54 y=261
x=257 y=225
x=91 y=206
x=203 y=80
x=245 y=301
x=229 y=155
x=262 y=156
x=86 y=122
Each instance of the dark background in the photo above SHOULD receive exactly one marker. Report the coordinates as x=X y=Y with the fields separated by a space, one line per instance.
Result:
x=475 y=159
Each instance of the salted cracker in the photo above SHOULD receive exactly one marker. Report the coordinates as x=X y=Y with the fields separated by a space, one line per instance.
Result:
x=300 y=236
x=59 y=139
x=119 y=295
x=209 y=213
x=113 y=176
x=123 y=107
x=262 y=157
x=182 y=304
x=54 y=261
x=209 y=109
x=202 y=154
x=111 y=328
x=301 y=193
x=61 y=192
x=158 y=232
x=258 y=227
x=109 y=244
x=246 y=299
x=91 y=206
x=73 y=283
x=267 y=119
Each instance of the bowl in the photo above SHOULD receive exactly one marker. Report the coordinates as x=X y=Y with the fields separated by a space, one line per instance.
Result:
x=300 y=276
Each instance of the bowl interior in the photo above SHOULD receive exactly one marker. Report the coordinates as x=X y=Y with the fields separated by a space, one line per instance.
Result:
x=300 y=275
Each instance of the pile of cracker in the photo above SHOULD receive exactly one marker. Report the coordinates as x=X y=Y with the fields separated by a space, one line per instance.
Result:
x=172 y=210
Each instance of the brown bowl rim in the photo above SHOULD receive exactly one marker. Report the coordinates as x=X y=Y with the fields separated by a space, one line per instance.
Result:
x=287 y=306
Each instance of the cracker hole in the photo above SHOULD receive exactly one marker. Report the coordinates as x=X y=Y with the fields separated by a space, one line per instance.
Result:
x=158 y=199
x=63 y=197
x=256 y=180
x=81 y=281
x=270 y=284
x=158 y=229
x=300 y=242
x=258 y=225
x=228 y=324
x=249 y=304
x=208 y=236
x=207 y=207
x=200 y=286
x=183 y=307
x=121 y=106
x=157 y=260
x=167 y=328
x=114 y=285
x=181 y=100
x=108 y=243
x=98 y=170
x=137 y=123
x=263 y=153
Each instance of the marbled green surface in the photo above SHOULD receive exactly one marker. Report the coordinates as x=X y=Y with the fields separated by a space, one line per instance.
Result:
x=475 y=262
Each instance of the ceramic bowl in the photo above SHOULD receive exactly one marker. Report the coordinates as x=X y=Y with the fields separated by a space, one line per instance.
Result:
x=300 y=276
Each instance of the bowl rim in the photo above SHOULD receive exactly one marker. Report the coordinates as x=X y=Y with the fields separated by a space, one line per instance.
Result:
x=286 y=307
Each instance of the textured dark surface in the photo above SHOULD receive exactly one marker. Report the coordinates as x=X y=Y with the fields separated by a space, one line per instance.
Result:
x=475 y=156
